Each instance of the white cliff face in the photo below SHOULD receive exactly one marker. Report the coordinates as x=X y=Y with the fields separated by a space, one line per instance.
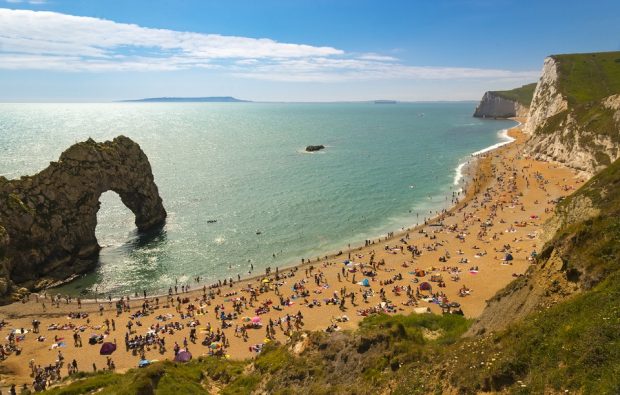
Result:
x=613 y=103
x=494 y=106
x=547 y=100
x=522 y=111
x=564 y=139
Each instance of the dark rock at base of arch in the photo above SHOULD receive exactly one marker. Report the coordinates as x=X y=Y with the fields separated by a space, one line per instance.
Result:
x=48 y=220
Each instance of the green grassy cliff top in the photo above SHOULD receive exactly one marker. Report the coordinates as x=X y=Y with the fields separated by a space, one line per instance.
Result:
x=589 y=76
x=522 y=95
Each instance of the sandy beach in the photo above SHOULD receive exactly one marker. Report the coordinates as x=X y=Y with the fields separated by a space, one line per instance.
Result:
x=465 y=255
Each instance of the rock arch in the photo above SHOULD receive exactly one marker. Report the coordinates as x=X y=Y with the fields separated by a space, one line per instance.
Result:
x=50 y=218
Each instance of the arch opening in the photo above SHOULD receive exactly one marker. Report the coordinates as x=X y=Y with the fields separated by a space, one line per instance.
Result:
x=115 y=222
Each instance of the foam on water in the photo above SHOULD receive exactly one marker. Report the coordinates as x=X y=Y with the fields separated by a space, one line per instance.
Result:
x=503 y=134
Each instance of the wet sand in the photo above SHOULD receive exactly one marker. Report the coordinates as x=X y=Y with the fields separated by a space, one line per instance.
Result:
x=505 y=204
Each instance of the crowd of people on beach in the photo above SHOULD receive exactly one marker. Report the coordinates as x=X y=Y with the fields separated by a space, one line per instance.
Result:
x=202 y=315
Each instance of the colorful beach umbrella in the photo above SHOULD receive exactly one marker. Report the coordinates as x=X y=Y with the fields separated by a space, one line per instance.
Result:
x=107 y=348
x=364 y=283
x=255 y=319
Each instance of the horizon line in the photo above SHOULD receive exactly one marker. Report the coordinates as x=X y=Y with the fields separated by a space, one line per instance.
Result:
x=245 y=101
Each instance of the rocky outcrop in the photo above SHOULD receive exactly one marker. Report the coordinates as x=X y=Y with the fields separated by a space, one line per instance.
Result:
x=313 y=148
x=582 y=133
x=493 y=105
x=547 y=100
x=48 y=220
x=4 y=275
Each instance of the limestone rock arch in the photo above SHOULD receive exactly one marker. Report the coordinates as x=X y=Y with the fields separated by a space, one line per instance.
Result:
x=50 y=218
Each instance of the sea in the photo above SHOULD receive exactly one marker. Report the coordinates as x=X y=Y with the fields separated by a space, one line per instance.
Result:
x=239 y=188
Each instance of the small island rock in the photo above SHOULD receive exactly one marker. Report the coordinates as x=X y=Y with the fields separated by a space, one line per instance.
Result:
x=313 y=148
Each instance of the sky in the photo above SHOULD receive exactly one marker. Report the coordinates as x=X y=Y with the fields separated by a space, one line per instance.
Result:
x=289 y=50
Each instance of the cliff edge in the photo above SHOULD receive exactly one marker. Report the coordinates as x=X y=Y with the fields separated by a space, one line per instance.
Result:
x=48 y=220
x=506 y=104
x=574 y=117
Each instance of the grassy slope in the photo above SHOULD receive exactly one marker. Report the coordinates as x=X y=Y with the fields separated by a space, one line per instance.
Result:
x=344 y=363
x=522 y=95
x=574 y=345
x=589 y=77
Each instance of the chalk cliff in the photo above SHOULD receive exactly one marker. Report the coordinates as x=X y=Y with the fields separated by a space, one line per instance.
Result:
x=494 y=106
x=48 y=220
x=506 y=104
x=575 y=113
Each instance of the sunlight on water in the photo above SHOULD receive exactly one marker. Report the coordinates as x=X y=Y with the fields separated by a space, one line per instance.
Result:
x=238 y=186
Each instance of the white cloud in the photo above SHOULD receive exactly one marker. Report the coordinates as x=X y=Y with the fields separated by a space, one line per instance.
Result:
x=380 y=58
x=33 y=2
x=334 y=70
x=50 y=33
x=43 y=40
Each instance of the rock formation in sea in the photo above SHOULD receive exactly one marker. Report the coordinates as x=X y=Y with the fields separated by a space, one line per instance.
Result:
x=575 y=113
x=313 y=148
x=505 y=104
x=48 y=220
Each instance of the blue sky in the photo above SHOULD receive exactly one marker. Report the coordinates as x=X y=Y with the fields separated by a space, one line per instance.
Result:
x=289 y=50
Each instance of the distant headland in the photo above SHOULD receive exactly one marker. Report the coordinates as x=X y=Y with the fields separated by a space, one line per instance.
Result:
x=210 y=99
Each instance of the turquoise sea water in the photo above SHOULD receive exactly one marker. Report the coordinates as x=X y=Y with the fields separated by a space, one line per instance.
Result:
x=242 y=164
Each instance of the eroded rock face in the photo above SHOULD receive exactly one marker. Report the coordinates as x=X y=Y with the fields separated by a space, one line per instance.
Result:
x=49 y=218
x=548 y=100
x=494 y=106
x=557 y=133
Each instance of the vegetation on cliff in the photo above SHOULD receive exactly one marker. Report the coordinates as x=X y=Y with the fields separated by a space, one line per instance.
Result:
x=588 y=77
x=571 y=344
x=586 y=132
x=522 y=95
x=506 y=104
x=571 y=340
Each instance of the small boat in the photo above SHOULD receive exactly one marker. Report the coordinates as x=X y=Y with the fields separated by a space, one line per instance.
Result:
x=258 y=232
x=211 y=221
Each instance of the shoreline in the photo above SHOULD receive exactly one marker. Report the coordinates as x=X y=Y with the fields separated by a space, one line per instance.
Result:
x=468 y=171
x=395 y=272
